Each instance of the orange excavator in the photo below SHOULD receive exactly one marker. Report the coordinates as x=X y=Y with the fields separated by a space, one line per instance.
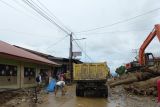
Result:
x=145 y=59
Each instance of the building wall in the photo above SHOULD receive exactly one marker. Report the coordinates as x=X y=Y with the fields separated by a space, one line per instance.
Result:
x=28 y=80
x=26 y=74
x=10 y=81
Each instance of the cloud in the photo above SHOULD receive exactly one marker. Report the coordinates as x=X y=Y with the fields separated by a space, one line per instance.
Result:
x=113 y=44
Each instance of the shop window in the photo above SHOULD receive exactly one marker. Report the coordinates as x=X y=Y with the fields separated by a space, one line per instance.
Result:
x=29 y=72
x=8 y=70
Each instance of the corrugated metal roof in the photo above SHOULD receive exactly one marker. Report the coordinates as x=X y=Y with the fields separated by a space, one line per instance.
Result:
x=6 y=48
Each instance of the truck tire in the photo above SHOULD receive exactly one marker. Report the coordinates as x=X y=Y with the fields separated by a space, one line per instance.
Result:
x=106 y=92
x=77 y=90
x=81 y=92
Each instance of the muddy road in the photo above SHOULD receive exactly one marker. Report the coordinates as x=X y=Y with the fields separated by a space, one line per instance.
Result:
x=117 y=98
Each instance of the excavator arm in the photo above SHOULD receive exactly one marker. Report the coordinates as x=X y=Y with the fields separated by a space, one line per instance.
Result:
x=155 y=32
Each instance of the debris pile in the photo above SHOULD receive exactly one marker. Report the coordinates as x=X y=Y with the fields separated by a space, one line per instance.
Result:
x=142 y=82
x=13 y=98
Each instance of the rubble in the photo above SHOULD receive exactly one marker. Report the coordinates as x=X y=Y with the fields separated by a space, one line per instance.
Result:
x=142 y=82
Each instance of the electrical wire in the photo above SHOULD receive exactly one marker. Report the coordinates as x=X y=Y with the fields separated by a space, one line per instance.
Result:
x=57 y=42
x=101 y=33
x=43 y=14
x=31 y=5
x=118 y=22
x=31 y=16
x=36 y=11
x=50 y=16
x=83 y=50
x=10 y=6
x=40 y=9
x=53 y=15
x=20 y=11
x=35 y=18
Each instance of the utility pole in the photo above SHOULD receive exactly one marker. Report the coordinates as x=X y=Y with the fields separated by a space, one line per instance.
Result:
x=70 y=57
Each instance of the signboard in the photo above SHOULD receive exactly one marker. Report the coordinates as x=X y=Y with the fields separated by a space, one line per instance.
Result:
x=75 y=54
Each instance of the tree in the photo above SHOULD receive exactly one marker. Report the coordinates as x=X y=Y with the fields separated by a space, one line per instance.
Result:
x=120 y=70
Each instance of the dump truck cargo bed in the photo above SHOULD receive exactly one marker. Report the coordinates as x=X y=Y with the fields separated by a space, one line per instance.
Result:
x=90 y=71
x=91 y=78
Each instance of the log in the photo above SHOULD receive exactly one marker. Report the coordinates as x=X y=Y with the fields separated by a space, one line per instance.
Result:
x=126 y=81
x=134 y=77
x=146 y=84
x=124 y=76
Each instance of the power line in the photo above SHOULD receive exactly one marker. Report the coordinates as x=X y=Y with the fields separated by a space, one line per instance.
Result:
x=23 y=12
x=26 y=8
x=20 y=11
x=52 y=15
x=60 y=40
x=114 y=32
x=38 y=7
x=83 y=50
x=45 y=15
x=119 y=22
x=86 y=55
x=10 y=5
x=43 y=11
x=31 y=5
x=16 y=8
x=35 y=18
x=39 y=11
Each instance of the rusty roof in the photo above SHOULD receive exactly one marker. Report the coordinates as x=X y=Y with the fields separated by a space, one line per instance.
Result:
x=8 y=49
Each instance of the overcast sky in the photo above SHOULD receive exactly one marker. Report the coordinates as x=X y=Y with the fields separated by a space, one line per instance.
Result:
x=22 y=26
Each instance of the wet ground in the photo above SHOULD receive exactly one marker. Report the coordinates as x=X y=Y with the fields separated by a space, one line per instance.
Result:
x=117 y=98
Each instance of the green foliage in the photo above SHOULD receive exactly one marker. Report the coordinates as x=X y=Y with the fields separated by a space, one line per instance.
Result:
x=120 y=70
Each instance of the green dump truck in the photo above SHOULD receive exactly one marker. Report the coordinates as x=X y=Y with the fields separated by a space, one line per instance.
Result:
x=91 y=79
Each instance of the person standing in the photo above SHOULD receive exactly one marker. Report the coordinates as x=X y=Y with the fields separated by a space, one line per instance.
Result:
x=39 y=79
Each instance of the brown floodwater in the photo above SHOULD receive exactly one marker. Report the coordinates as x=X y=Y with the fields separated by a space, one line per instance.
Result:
x=68 y=100
x=117 y=98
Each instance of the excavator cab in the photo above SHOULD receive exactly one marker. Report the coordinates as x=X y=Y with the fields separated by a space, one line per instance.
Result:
x=149 y=59
x=134 y=65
